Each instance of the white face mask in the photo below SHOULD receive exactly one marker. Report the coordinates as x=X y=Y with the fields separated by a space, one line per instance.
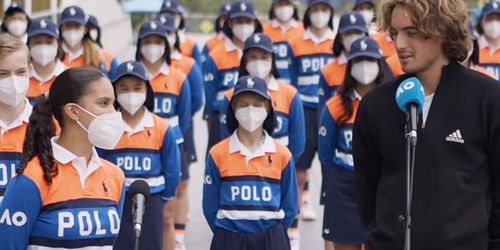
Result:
x=367 y=15
x=104 y=130
x=259 y=68
x=73 y=37
x=251 y=118
x=348 y=40
x=320 y=19
x=131 y=101
x=17 y=27
x=243 y=31
x=43 y=54
x=93 y=34
x=365 y=72
x=284 y=13
x=152 y=52
x=13 y=89
x=171 y=40
x=492 y=29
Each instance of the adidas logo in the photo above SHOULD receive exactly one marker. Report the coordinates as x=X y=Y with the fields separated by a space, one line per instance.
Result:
x=455 y=137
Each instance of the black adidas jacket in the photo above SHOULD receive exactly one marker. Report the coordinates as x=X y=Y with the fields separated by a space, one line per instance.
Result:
x=456 y=197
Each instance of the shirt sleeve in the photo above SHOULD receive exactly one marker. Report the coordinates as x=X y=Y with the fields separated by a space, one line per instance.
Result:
x=210 y=80
x=327 y=139
x=196 y=87
x=121 y=202
x=297 y=134
x=223 y=122
x=19 y=212
x=113 y=67
x=184 y=108
x=368 y=163
x=289 y=196
x=196 y=54
x=211 y=190
x=171 y=164
x=324 y=91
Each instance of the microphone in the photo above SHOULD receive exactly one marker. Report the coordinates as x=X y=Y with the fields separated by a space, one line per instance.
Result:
x=139 y=192
x=410 y=99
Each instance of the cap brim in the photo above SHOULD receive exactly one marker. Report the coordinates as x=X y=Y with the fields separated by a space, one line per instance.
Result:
x=265 y=96
x=42 y=32
x=349 y=28
x=264 y=48
x=364 y=54
x=247 y=15
x=118 y=77
x=153 y=33
x=489 y=12
x=72 y=20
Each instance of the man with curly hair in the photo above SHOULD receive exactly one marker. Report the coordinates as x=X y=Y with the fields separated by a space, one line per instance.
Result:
x=456 y=187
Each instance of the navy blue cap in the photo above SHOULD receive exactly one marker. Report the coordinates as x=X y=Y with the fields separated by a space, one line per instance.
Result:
x=358 y=2
x=259 y=40
x=224 y=9
x=313 y=2
x=152 y=28
x=73 y=14
x=243 y=9
x=15 y=7
x=290 y=1
x=92 y=20
x=253 y=84
x=171 y=6
x=131 y=68
x=352 y=21
x=43 y=27
x=167 y=21
x=492 y=7
x=365 y=47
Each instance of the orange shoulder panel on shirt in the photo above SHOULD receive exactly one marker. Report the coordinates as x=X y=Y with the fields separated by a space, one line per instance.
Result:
x=486 y=57
x=66 y=184
x=187 y=47
x=234 y=164
x=36 y=88
x=184 y=64
x=336 y=109
x=171 y=83
x=483 y=70
x=149 y=138
x=282 y=99
x=334 y=73
x=78 y=62
x=395 y=65
x=302 y=47
x=277 y=35
x=214 y=42
x=224 y=59
x=386 y=45
x=13 y=139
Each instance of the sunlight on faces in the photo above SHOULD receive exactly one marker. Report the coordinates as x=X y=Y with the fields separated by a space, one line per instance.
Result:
x=42 y=40
x=416 y=53
x=130 y=84
x=72 y=26
x=18 y=16
x=153 y=39
x=247 y=99
x=15 y=63
x=254 y=54
x=239 y=21
x=98 y=99
x=364 y=6
x=320 y=7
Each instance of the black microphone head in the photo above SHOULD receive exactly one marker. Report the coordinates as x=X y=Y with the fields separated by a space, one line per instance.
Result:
x=139 y=187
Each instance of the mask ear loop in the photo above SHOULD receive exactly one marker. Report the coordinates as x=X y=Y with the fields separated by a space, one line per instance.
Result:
x=86 y=111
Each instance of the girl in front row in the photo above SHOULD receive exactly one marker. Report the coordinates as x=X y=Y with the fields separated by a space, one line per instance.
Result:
x=250 y=187
x=63 y=189
x=366 y=68
x=147 y=150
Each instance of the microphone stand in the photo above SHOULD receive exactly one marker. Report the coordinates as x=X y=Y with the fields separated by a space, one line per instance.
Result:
x=411 y=144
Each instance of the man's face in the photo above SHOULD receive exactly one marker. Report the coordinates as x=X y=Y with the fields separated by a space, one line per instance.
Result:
x=14 y=64
x=416 y=53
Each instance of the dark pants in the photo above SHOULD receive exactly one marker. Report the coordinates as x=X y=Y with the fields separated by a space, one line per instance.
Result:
x=275 y=238
x=152 y=226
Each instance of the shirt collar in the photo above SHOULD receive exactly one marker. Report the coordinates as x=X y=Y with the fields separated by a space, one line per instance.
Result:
x=342 y=58
x=235 y=145
x=64 y=156
x=176 y=55
x=58 y=69
x=70 y=54
x=276 y=24
x=182 y=36
x=145 y=122
x=483 y=43
x=273 y=84
x=24 y=117
x=355 y=95
x=164 y=69
x=229 y=46
x=328 y=35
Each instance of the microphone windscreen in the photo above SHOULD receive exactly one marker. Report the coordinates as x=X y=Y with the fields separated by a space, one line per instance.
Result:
x=139 y=187
x=410 y=91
